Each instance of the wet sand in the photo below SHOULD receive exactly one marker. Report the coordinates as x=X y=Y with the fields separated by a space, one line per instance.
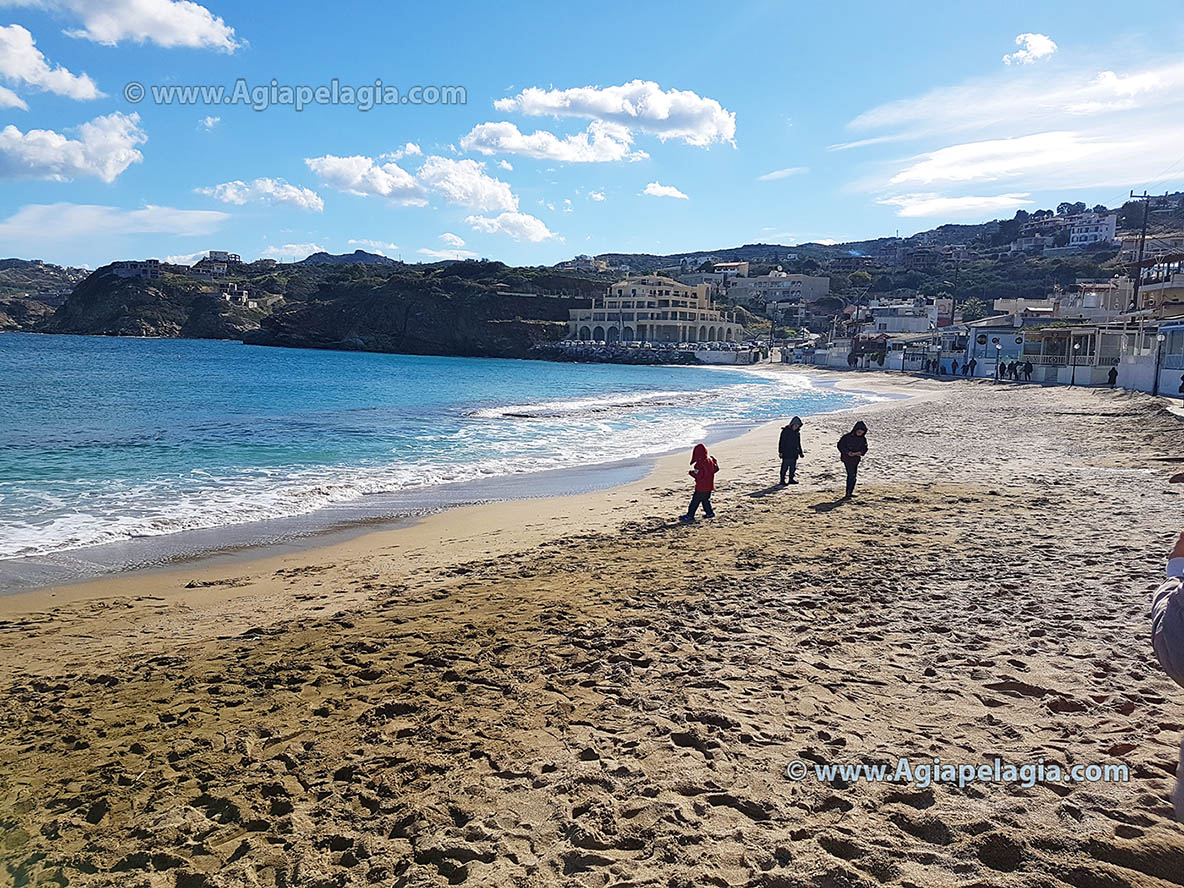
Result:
x=580 y=691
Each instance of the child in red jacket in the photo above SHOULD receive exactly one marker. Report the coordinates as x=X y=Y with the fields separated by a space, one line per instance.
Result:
x=703 y=469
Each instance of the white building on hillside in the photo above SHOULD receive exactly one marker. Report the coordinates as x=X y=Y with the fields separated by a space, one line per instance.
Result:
x=653 y=309
x=777 y=286
x=1093 y=228
x=149 y=269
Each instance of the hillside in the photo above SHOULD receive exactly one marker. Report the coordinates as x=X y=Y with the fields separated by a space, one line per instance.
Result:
x=109 y=305
x=357 y=257
x=452 y=308
x=410 y=314
x=32 y=279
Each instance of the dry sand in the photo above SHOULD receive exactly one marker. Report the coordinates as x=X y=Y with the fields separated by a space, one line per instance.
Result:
x=579 y=691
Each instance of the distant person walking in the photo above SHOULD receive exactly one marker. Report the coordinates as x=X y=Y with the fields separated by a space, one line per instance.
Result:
x=852 y=448
x=1028 y=371
x=703 y=469
x=973 y=364
x=790 y=448
x=965 y=369
x=1112 y=376
x=954 y=367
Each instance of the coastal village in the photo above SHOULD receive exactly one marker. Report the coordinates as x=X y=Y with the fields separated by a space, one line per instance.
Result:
x=897 y=304
x=1131 y=323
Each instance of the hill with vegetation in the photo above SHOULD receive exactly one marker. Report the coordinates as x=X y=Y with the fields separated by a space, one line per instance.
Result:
x=40 y=281
x=451 y=308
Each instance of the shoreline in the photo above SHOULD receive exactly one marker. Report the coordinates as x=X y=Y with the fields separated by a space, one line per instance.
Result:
x=240 y=547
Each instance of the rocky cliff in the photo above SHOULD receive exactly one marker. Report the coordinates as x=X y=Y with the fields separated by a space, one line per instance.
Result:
x=442 y=315
x=462 y=308
x=27 y=315
x=171 y=306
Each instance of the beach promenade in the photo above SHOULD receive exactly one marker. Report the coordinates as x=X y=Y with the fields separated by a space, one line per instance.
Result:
x=581 y=691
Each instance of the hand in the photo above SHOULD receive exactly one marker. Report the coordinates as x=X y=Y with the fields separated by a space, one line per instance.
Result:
x=1178 y=478
x=1178 y=550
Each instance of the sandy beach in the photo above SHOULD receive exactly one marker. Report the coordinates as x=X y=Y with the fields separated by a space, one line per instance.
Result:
x=580 y=691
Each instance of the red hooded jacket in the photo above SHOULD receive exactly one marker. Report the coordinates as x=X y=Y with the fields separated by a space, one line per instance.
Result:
x=704 y=469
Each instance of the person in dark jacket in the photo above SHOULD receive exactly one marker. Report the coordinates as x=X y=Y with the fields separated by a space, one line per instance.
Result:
x=852 y=448
x=1028 y=368
x=790 y=448
x=703 y=469
x=1112 y=376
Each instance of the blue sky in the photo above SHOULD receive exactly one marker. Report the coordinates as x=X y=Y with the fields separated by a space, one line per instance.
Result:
x=634 y=127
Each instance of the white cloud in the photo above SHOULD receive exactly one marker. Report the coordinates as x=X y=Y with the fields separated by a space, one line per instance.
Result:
x=461 y=182
x=294 y=251
x=600 y=143
x=1015 y=101
x=995 y=159
x=363 y=176
x=408 y=150
x=638 y=105
x=465 y=183
x=105 y=147
x=380 y=247
x=22 y=62
x=520 y=226
x=783 y=174
x=446 y=254
x=912 y=205
x=63 y=221
x=1033 y=129
x=596 y=195
x=185 y=258
x=567 y=207
x=1131 y=84
x=9 y=99
x=265 y=190
x=506 y=165
x=655 y=190
x=1032 y=47
x=168 y=23
x=208 y=122
x=453 y=240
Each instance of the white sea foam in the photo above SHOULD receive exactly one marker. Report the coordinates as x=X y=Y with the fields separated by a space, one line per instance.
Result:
x=490 y=442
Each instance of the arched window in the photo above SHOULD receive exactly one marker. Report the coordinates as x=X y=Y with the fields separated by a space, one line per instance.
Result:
x=585 y=334
x=598 y=334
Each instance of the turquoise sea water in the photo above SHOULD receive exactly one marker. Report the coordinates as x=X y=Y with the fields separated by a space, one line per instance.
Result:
x=107 y=439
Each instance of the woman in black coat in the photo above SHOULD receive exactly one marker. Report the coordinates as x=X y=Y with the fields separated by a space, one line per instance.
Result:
x=852 y=448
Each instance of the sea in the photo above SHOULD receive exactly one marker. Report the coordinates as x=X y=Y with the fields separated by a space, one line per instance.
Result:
x=122 y=452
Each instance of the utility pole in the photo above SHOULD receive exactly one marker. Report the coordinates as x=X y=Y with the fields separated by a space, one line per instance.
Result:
x=1146 y=198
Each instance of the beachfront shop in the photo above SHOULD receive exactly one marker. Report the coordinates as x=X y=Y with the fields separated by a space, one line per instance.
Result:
x=991 y=346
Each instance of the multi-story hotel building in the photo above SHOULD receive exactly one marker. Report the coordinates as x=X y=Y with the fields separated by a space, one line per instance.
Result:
x=653 y=309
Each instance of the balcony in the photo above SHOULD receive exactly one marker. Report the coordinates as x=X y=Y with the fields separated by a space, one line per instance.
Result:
x=1066 y=361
